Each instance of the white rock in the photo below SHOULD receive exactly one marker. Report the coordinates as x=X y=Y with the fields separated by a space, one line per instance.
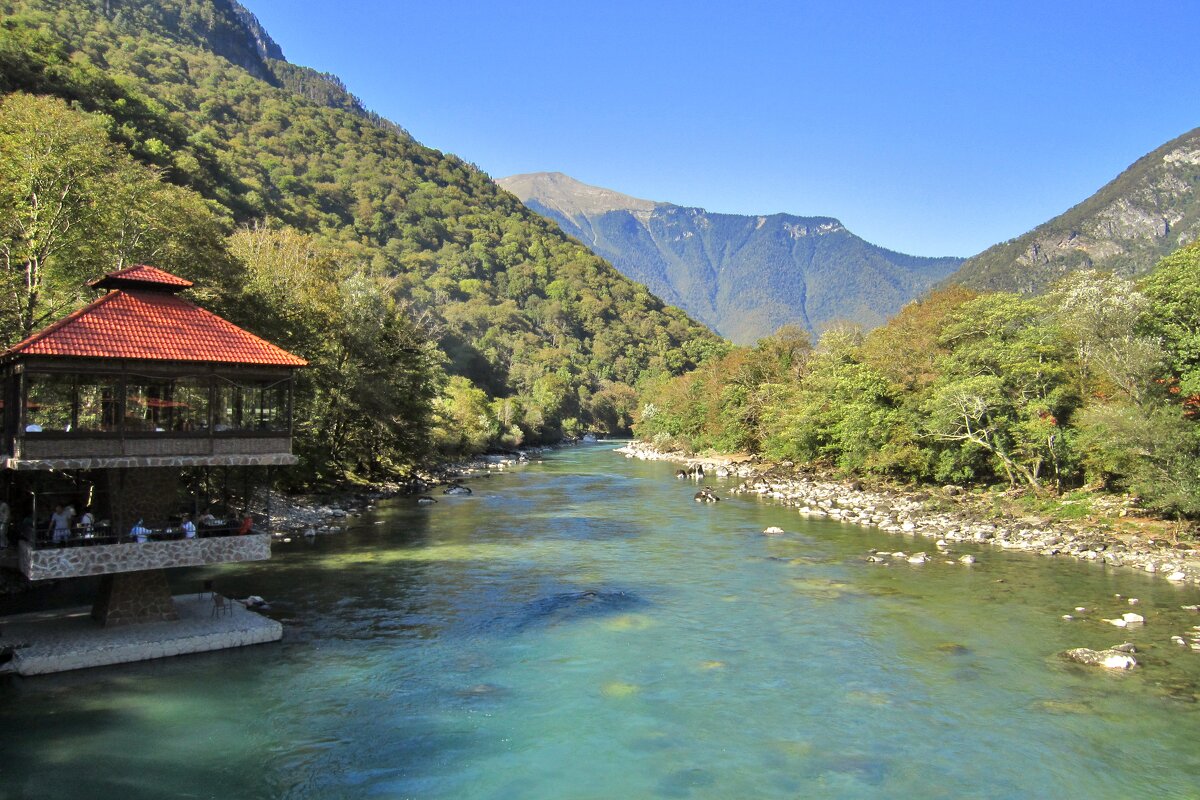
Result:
x=1080 y=608
x=1177 y=576
x=1118 y=661
x=1179 y=640
x=942 y=543
x=1133 y=601
x=908 y=527
x=1067 y=616
x=1109 y=659
x=919 y=558
x=1120 y=623
x=1133 y=619
x=967 y=559
x=773 y=530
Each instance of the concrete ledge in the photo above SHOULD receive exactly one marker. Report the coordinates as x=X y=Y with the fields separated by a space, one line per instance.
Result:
x=59 y=641
x=284 y=459
x=76 y=562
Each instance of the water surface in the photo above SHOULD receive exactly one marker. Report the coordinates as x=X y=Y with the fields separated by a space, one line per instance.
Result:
x=580 y=628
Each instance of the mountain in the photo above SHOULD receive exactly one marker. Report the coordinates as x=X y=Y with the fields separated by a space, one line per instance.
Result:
x=744 y=276
x=524 y=317
x=1147 y=211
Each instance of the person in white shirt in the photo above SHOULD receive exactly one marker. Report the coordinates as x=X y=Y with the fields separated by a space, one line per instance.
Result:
x=87 y=523
x=189 y=527
x=60 y=525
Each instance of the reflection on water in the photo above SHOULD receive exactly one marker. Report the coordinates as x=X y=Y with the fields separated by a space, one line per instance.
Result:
x=582 y=629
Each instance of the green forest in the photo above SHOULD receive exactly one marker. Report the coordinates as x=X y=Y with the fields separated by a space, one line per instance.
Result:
x=440 y=316
x=1095 y=384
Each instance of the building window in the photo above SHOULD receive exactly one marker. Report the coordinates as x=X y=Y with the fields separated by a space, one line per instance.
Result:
x=252 y=406
x=49 y=403
x=265 y=406
x=191 y=404
x=99 y=409
x=227 y=411
x=164 y=405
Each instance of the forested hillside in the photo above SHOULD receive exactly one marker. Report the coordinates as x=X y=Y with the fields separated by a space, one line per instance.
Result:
x=1095 y=383
x=435 y=308
x=745 y=276
x=1143 y=214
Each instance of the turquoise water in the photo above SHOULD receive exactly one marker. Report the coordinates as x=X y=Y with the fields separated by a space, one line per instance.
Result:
x=581 y=629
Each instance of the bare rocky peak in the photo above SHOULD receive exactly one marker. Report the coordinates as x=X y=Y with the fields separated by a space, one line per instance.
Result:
x=1146 y=212
x=570 y=197
x=260 y=40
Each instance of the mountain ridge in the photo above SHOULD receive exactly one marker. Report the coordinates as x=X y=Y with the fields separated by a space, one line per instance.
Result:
x=1150 y=209
x=745 y=276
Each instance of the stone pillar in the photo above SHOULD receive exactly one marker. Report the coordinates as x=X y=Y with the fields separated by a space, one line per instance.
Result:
x=146 y=493
x=130 y=597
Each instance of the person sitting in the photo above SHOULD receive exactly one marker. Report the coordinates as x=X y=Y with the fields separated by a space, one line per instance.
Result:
x=139 y=532
x=207 y=518
x=189 y=527
x=247 y=525
x=60 y=525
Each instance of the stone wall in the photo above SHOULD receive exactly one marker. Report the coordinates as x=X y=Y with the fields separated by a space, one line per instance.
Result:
x=132 y=597
x=151 y=495
x=75 y=562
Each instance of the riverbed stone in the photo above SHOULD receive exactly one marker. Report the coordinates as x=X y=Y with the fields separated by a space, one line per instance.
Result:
x=1109 y=659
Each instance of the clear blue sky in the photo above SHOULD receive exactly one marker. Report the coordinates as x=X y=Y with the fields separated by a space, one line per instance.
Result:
x=935 y=128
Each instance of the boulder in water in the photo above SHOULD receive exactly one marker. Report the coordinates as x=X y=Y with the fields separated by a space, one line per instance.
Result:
x=1109 y=659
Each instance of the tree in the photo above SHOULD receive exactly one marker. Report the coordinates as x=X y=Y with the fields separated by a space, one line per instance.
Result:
x=1173 y=289
x=1004 y=387
x=1100 y=314
x=73 y=205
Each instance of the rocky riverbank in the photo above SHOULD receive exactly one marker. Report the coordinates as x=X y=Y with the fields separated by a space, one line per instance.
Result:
x=309 y=515
x=943 y=516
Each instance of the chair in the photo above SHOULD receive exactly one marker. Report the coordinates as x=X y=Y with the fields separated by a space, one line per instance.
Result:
x=206 y=587
x=221 y=605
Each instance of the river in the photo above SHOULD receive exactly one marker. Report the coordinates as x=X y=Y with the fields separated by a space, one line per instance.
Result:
x=579 y=628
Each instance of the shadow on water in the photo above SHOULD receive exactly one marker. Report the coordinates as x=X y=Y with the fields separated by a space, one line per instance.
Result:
x=566 y=607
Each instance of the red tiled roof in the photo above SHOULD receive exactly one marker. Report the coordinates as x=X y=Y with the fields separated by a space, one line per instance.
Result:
x=151 y=325
x=141 y=276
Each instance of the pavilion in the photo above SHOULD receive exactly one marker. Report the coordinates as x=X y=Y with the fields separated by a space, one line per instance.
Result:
x=124 y=408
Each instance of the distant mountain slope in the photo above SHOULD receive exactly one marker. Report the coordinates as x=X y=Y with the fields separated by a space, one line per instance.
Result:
x=743 y=276
x=1149 y=210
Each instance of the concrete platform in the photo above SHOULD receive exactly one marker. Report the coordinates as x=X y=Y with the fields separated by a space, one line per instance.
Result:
x=58 y=641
